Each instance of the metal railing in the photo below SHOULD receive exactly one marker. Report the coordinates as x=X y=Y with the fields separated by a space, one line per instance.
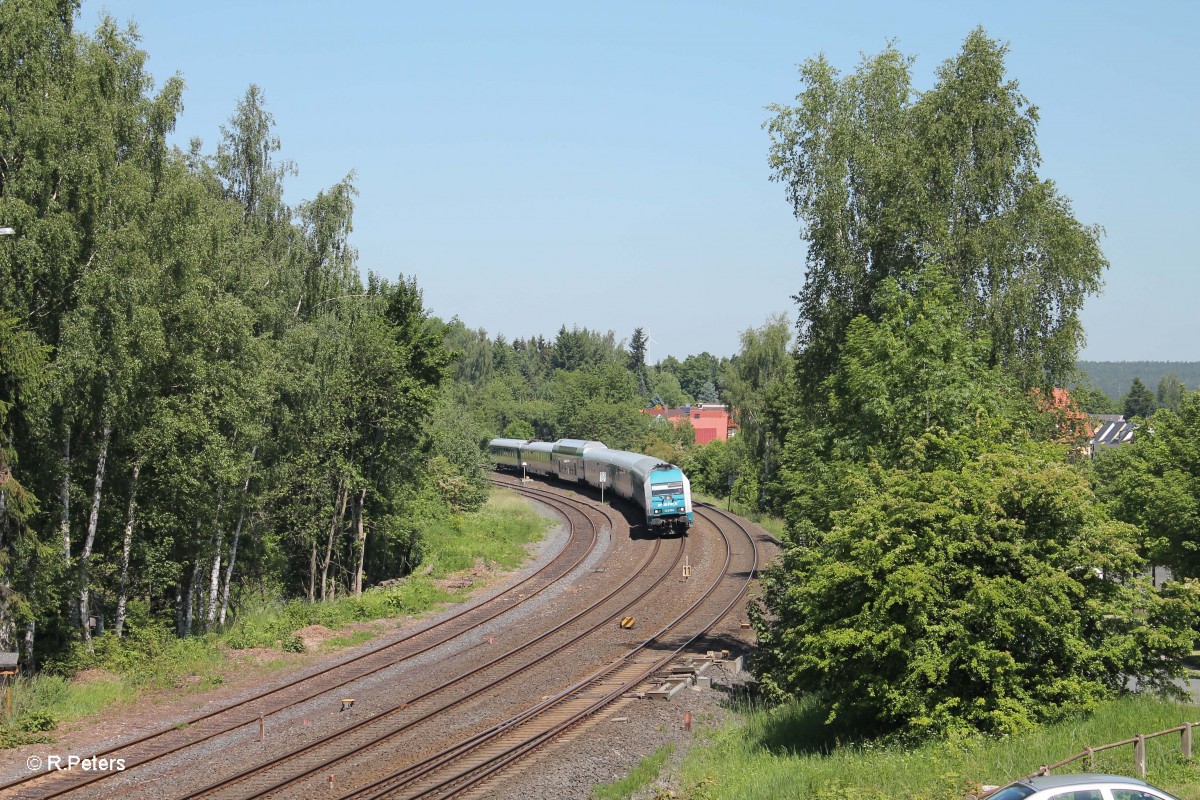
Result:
x=1139 y=755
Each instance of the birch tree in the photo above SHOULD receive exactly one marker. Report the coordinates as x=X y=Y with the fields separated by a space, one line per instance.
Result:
x=884 y=180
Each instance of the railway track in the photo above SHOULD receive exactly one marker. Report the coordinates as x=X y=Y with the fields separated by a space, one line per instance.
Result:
x=414 y=732
x=467 y=765
x=256 y=709
x=470 y=760
x=368 y=739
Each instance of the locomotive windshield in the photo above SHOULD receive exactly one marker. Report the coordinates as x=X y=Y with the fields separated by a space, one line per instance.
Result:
x=659 y=489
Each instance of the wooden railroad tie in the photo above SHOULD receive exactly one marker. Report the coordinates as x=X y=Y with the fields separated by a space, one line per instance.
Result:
x=628 y=622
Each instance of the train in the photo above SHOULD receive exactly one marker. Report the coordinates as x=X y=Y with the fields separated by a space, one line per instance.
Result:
x=660 y=490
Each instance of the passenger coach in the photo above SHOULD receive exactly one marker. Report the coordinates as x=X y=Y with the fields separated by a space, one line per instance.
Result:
x=661 y=490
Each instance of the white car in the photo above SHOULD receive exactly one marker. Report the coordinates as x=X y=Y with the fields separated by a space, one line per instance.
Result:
x=1080 y=786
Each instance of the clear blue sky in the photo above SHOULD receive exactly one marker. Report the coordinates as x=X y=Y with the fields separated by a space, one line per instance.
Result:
x=603 y=164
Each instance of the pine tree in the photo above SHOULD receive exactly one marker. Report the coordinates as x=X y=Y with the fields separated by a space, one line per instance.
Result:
x=1139 y=401
x=637 y=361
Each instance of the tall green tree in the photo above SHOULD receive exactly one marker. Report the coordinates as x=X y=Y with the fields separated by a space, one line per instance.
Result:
x=1154 y=483
x=600 y=402
x=1170 y=392
x=759 y=389
x=637 y=361
x=195 y=381
x=1139 y=401
x=949 y=568
x=580 y=347
x=884 y=179
x=22 y=376
x=1092 y=400
x=245 y=162
x=697 y=372
x=665 y=386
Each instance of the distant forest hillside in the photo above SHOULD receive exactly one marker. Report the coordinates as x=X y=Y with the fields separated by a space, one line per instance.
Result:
x=1114 y=377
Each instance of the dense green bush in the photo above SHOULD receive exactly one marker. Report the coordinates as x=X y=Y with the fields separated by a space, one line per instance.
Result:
x=950 y=568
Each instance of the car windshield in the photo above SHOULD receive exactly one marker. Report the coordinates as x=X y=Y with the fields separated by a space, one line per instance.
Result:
x=1017 y=792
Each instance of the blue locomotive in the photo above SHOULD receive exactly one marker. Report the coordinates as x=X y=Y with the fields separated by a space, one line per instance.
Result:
x=661 y=490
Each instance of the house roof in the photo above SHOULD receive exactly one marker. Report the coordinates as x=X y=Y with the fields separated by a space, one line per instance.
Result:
x=1111 y=430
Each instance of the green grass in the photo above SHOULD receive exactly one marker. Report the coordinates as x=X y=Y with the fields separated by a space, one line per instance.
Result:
x=646 y=770
x=785 y=753
x=353 y=639
x=273 y=624
x=151 y=658
x=497 y=534
x=776 y=526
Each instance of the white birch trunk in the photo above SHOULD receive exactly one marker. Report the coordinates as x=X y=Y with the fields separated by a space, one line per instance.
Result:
x=312 y=573
x=126 y=549
x=237 y=534
x=189 y=610
x=27 y=663
x=190 y=600
x=64 y=495
x=93 y=520
x=338 y=514
x=214 y=574
x=361 y=539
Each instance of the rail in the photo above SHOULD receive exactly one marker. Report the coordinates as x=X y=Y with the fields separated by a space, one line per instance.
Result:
x=488 y=753
x=356 y=667
x=317 y=751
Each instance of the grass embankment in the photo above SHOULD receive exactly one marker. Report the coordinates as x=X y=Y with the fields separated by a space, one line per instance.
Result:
x=785 y=753
x=775 y=526
x=152 y=659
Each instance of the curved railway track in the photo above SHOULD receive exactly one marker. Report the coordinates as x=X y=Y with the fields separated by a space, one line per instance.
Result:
x=467 y=765
x=462 y=765
x=414 y=732
x=251 y=711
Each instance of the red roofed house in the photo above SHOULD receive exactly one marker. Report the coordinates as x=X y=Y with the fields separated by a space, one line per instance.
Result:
x=710 y=420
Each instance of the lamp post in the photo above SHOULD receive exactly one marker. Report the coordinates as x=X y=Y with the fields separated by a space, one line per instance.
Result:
x=524 y=464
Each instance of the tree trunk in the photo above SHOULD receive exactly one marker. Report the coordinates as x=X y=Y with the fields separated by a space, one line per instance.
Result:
x=93 y=520
x=339 y=513
x=27 y=660
x=8 y=624
x=312 y=573
x=64 y=494
x=190 y=600
x=214 y=586
x=214 y=575
x=64 y=519
x=126 y=548
x=237 y=533
x=361 y=538
x=3 y=503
